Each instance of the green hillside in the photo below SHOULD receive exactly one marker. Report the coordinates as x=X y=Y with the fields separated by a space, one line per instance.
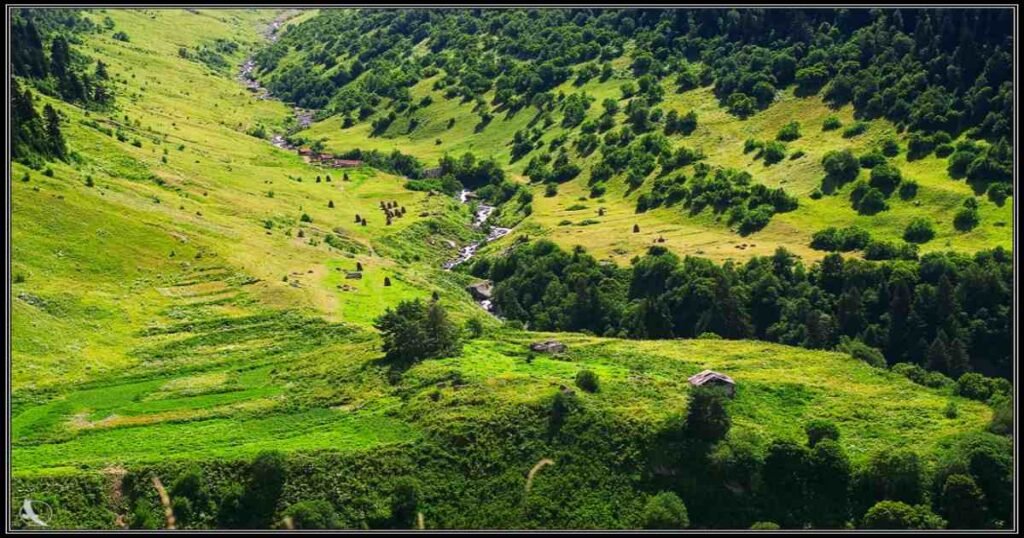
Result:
x=453 y=126
x=182 y=308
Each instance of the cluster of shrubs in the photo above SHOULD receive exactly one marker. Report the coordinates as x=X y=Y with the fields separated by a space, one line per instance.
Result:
x=847 y=239
x=750 y=205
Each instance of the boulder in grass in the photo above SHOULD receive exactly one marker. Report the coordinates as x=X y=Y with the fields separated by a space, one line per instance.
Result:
x=549 y=346
x=481 y=291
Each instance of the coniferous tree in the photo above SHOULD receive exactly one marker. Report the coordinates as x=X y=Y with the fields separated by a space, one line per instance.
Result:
x=54 y=138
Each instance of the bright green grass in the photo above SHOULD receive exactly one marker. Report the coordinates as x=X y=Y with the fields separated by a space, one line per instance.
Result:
x=92 y=261
x=230 y=438
x=153 y=320
x=337 y=398
x=779 y=390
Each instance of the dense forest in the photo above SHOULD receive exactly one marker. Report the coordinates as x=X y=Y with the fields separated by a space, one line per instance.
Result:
x=49 y=63
x=947 y=312
x=928 y=70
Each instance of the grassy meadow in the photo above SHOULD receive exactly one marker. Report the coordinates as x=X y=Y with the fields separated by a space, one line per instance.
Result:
x=184 y=298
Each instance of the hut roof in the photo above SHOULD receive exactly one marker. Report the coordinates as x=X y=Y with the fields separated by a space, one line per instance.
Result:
x=710 y=376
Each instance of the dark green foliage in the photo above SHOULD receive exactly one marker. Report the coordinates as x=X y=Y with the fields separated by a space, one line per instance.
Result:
x=395 y=162
x=587 y=380
x=976 y=386
x=896 y=515
x=952 y=410
x=474 y=327
x=923 y=377
x=707 y=418
x=318 y=514
x=962 y=502
x=665 y=511
x=987 y=461
x=404 y=505
x=485 y=176
x=789 y=132
x=908 y=189
x=840 y=239
x=920 y=230
x=968 y=217
x=43 y=54
x=868 y=200
x=885 y=250
x=857 y=128
x=1002 y=416
x=266 y=482
x=741 y=104
x=687 y=123
x=786 y=469
x=828 y=481
x=897 y=76
x=895 y=475
x=831 y=123
x=871 y=159
x=34 y=138
x=413 y=331
x=944 y=150
x=919 y=146
x=820 y=429
x=251 y=503
x=890 y=147
x=662 y=296
x=774 y=152
x=190 y=496
x=144 y=516
x=841 y=167
x=857 y=349
x=885 y=177
x=999 y=192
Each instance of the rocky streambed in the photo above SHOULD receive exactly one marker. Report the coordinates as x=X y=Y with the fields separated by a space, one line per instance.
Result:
x=483 y=212
x=481 y=291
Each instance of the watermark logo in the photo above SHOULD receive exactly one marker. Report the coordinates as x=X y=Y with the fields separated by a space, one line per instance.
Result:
x=35 y=513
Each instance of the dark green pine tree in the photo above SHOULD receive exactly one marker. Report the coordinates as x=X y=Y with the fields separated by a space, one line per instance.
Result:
x=937 y=357
x=899 y=311
x=60 y=57
x=958 y=363
x=101 y=70
x=27 y=57
x=54 y=138
x=27 y=134
x=947 y=307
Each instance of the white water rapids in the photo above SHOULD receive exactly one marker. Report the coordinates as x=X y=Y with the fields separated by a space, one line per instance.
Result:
x=483 y=212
